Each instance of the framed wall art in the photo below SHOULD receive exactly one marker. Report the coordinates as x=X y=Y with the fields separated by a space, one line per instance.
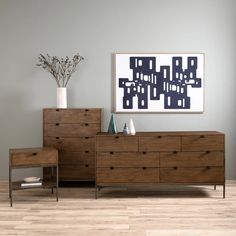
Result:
x=159 y=82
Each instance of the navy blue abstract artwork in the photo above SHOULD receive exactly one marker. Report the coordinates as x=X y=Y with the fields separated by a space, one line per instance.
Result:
x=159 y=82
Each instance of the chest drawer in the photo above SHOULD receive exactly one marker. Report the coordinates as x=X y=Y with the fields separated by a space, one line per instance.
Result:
x=127 y=175
x=78 y=158
x=37 y=157
x=117 y=143
x=203 y=143
x=71 y=130
x=71 y=144
x=191 y=159
x=127 y=159
x=72 y=115
x=159 y=143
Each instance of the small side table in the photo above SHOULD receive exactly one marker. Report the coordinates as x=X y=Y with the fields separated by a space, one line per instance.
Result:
x=33 y=157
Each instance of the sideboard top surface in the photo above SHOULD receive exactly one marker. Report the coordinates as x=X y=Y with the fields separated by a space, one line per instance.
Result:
x=165 y=133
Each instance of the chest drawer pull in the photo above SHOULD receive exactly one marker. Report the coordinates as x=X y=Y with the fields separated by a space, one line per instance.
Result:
x=175 y=168
x=34 y=153
x=86 y=137
x=86 y=124
x=144 y=168
x=111 y=153
x=202 y=136
x=159 y=136
x=57 y=124
x=144 y=153
x=86 y=110
x=208 y=168
x=57 y=110
x=117 y=137
x=57 y=138
x=175 y=152
x=208 y=152
x=111 y=168
x=86 y=165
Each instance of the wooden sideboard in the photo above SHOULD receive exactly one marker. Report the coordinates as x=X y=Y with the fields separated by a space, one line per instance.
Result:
x=160 y=158
x=72 y=132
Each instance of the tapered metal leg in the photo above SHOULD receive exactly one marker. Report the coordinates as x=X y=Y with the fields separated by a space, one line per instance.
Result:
x=224 y=191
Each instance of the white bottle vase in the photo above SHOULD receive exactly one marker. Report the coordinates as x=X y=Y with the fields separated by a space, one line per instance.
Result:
x=61 y=97
x=131 y=127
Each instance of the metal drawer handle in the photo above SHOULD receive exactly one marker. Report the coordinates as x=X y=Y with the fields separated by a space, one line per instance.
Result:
x=86 y=137
x=175 y=168
x=144 y=168
x=86 y=124
x=86 y=165
x=175 y=152
x=86 y=110
x=57 y=124
x=86 y=151
x=207 y=152
x=144 y=153
x=34 y=153
x=159 y=136
x=57 y=138
x=117 y=137
x=112 y=168
x=208 y=167
x=202 y=136
x=111 y=153
x=57 y=110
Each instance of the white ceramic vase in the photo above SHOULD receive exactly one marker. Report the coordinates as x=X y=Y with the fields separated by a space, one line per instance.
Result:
x=131 y=127
x=61 y=97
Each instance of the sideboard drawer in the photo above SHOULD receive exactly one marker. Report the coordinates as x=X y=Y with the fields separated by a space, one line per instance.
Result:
x=127 y=159
x=71 y=130
x=127 y=175
x=71 y=144
x=203 y=143
x=192 y=175
x=117 y=143
x=71 y=116
x=159 y=143
x=191 y=159
x=46 y=156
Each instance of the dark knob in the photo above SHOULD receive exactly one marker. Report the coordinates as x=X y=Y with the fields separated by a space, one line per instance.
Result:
x=208 y=167
x=159 y=136
x=86 y=109
x=35 y=153
x=57 y=110
x=111 y=153
x=86 y=151
x=57 y=124
x=202 y=136
x=175 y=168
x=57 y=138
x=207 y=152
x=117 y=137
x=86 y=137
x=86 y=124
x=175 y=152
x=112 y=168
x=144 y=168
x=86 y=165
x=144 y=153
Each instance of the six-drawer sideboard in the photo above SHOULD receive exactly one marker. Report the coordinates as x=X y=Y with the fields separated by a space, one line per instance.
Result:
x=72 y=132
x=160 y=158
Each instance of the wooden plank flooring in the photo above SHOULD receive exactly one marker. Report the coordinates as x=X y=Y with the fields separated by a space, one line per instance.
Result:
x=164 y=210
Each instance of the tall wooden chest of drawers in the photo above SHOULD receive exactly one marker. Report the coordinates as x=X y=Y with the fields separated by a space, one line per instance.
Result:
x=161 y=158
x=72 y=132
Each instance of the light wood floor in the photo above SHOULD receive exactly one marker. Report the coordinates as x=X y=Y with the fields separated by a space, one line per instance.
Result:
x=165 y=210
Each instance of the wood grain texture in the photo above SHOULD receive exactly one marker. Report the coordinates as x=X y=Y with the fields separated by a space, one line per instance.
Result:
x=162 y=211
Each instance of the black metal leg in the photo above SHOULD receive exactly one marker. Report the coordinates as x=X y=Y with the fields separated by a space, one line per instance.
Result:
x=224 y=191
x=96 y=192
x=57 y=174
x=214 y=187
x=52 y=190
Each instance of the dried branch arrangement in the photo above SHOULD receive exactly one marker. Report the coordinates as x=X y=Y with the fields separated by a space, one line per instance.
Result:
x=61 y=69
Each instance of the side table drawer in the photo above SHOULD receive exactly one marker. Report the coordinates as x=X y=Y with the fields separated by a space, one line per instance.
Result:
x=41 y=157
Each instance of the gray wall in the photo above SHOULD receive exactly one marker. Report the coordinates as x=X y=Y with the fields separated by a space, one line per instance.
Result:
x=96 y=29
